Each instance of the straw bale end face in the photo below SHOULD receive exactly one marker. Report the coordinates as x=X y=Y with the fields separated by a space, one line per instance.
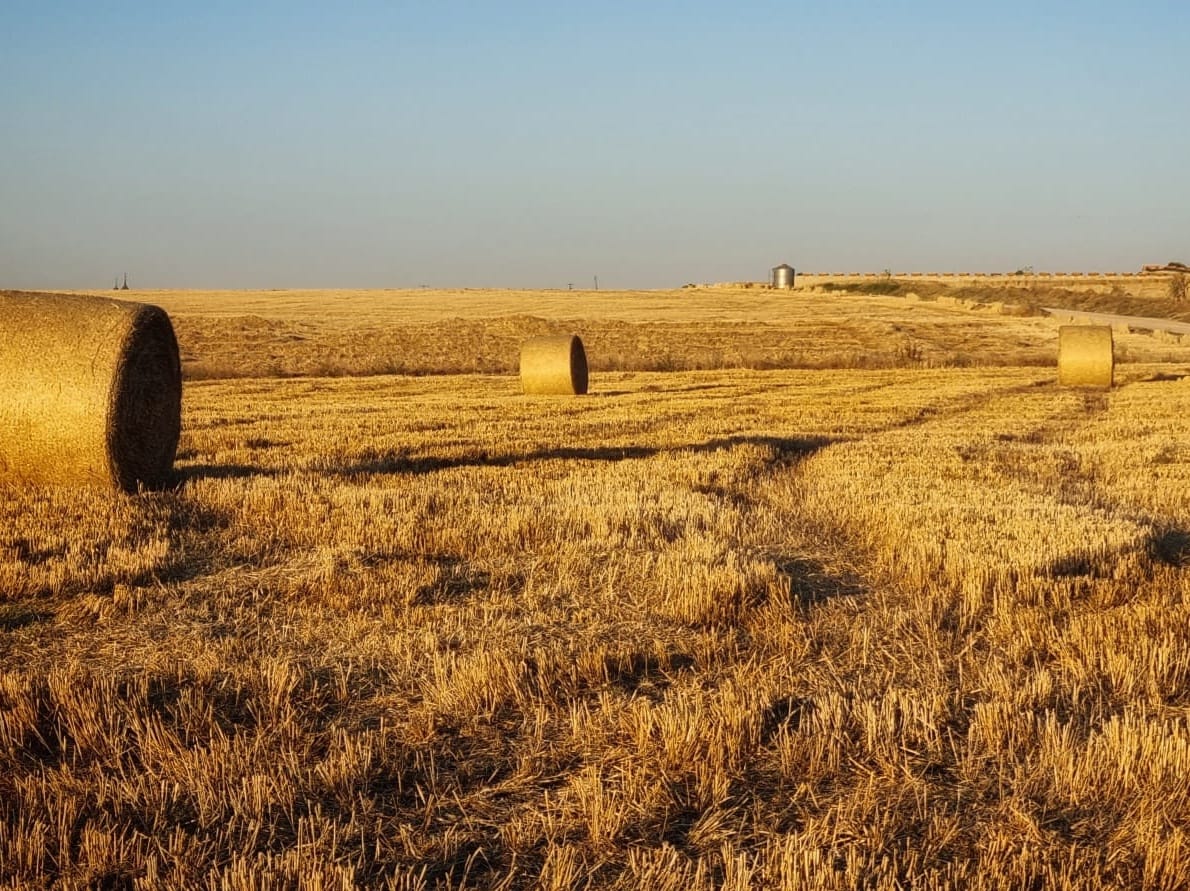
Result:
x=554 y=366
x=145 y=420
x=91 y=392
x=1085 y=356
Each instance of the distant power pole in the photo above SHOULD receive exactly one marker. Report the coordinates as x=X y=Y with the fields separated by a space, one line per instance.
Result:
x=596 y=283
x=125 y=287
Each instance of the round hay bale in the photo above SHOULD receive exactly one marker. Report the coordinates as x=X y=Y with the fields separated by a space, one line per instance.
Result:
x=91 y=393
x=1085 y=356
x=555 y=366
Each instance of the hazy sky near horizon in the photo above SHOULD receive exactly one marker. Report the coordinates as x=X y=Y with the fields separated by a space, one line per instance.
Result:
x=518 y=144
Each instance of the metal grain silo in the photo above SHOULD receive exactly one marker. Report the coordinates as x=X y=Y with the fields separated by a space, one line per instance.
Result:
x=783 y=276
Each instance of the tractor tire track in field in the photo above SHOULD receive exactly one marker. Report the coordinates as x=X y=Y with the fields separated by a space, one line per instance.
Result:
x=1059 y=469
x=941 y=499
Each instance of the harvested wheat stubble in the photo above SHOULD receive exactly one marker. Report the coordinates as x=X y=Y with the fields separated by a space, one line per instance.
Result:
x=90 y=391
x=1085 y=356
x=555 y=365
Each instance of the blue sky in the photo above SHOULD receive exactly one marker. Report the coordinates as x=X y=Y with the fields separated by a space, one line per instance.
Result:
x=516 y=144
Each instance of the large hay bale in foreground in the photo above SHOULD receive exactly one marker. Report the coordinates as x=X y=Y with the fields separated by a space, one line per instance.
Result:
x=90 y=391
x=1085 y=356
x=555 y=365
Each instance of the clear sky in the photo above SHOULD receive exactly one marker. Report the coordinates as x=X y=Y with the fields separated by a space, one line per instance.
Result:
x=241 y=144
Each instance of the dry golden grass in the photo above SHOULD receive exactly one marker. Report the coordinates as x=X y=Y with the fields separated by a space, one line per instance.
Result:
x=337 y=333
x=865 y=627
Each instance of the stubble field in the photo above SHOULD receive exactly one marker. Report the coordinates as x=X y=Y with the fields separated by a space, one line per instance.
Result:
x=823 y=591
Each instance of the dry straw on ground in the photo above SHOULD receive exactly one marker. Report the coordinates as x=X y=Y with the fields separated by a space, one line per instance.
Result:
x=554 y=365
x=1085 y=356
x=921 y=627
x=91 y=394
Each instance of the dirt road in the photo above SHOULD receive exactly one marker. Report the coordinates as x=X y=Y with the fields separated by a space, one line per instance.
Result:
x=1107 y=318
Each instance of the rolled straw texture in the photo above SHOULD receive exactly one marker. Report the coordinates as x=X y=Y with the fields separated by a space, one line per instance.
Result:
x=90 y=391
x=1085 y=356
x=555 y=365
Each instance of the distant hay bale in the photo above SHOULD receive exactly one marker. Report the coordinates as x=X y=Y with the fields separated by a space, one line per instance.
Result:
x=1085 y=356
x=91 y=391
x=555 y=366
x=1015 y=309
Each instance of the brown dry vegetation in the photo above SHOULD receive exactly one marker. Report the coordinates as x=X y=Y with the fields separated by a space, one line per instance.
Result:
x=863 y=627
x=313 y=333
